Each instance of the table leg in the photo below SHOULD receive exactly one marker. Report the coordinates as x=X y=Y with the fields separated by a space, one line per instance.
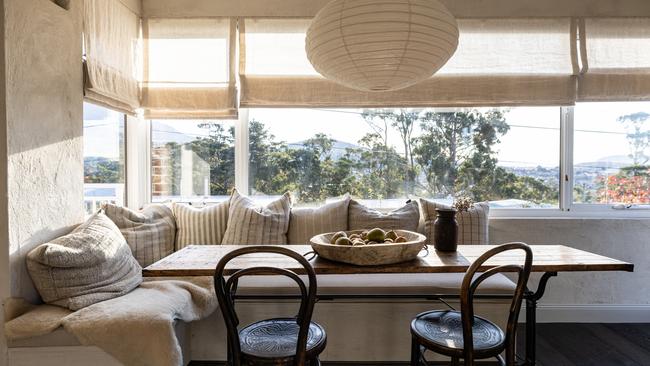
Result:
x=531 y=317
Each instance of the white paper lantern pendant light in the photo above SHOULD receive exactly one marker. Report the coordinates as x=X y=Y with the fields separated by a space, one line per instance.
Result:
x=381 y=45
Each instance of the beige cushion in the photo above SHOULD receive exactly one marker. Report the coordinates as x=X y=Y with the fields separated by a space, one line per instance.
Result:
x=57 y=338
x=249 y=223
x=196 y=226
x=308 y=222
x=472 y=224
x=91 y=264
x=404 y=218
x=150 y=232
x=376 y=284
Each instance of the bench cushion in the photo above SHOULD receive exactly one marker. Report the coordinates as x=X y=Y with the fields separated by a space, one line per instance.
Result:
x=58 y=338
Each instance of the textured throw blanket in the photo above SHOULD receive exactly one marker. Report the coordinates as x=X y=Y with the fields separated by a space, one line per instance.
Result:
x=136 y=329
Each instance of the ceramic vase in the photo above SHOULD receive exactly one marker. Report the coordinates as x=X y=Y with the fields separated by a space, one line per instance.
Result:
x=445 y=230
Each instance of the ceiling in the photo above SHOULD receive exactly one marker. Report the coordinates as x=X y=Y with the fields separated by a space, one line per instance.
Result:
x=460 y=8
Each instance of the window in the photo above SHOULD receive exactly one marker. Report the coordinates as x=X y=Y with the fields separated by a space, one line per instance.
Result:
x=192 y=159
x=104 y=157
x=611 y=154
x=508 y=156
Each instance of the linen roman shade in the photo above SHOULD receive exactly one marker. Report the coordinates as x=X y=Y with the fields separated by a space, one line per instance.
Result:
x=111 y=44
x=615 y=59
x=498 y=62
x=189 y=68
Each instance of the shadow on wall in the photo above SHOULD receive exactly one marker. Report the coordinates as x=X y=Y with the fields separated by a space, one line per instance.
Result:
x=44 y=74
x=44 y=112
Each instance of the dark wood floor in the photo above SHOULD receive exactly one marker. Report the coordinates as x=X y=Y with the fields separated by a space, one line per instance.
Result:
x=593 y=344
x=566 y=344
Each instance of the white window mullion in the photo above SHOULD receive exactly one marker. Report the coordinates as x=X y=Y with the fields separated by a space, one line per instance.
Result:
x=138 y=162
x=241 y=152
x=566 y=158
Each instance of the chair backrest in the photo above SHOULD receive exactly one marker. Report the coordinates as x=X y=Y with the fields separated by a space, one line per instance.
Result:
x=471 y=282
x=226 y=289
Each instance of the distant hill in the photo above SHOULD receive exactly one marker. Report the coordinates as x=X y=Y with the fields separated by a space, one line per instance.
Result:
x=607 y=162
x=339 y=148
x=164 y=133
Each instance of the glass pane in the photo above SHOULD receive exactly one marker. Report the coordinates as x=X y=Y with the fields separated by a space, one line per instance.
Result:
x=611 y=158
x=192 y=159
x=104 y=153
x=508 y=156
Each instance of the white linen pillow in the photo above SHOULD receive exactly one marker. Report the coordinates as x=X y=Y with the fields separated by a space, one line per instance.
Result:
x=200 y=226
x=91 y=264
x=472 y=224
x=249 y=223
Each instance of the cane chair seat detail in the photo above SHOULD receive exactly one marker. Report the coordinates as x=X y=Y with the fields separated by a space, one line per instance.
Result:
x=443 y=330
x=277 y=338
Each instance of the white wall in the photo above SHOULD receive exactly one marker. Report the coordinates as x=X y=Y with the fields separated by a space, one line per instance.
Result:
x=598 y=296
x=460 y=8
x=42 y=90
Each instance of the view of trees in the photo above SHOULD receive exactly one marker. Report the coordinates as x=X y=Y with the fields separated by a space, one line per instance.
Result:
x=632 y=183
x=102 y=170
x=453 y=153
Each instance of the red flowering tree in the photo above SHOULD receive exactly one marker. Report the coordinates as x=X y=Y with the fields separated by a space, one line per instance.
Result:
x=625 y=187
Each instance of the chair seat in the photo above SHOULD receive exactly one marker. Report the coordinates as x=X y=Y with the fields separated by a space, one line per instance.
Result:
x=442 y=332
x=276 y=339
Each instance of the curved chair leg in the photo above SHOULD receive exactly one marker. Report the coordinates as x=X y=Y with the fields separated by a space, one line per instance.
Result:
x=502 y=362
x=455 y=361
x=416 y=354
x=314 y=361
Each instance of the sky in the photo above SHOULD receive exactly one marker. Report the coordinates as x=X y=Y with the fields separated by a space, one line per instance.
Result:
x=532 y=140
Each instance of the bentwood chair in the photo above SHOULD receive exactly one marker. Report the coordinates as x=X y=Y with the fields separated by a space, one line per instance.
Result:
x=295 y=341
x=464 y=335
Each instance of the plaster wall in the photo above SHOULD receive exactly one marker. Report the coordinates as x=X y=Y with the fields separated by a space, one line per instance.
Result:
x=624 y=239
x=5 y=279
x=42 y=46
x=460 y=8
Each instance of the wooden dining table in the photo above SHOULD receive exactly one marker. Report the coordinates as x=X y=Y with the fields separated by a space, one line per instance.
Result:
x=201 y=260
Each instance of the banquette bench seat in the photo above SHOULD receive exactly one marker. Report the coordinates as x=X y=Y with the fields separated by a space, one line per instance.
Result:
x=359 y=329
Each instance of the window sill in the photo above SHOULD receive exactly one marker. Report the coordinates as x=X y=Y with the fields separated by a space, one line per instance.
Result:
x=576 y=212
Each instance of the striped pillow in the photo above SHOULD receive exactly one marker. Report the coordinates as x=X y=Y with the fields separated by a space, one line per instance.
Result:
x=307 y=222
x=200 y=226
x=249 y=223
x=150 y=232
x=472 y=224
x=361 y=217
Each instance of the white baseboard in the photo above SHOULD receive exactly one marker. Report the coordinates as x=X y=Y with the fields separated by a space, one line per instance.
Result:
x=591 y=313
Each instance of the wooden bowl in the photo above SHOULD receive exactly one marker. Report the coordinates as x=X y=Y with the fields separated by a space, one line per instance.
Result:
x=371 y=254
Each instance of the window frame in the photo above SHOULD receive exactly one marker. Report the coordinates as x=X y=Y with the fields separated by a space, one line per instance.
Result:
x=566 y=208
